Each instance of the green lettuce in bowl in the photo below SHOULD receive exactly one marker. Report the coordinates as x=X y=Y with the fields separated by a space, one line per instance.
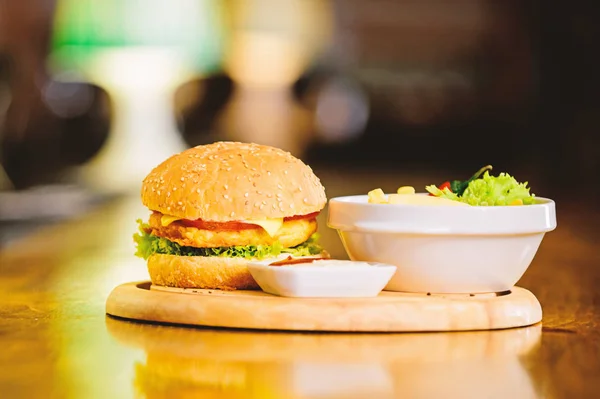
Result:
x=488 y=190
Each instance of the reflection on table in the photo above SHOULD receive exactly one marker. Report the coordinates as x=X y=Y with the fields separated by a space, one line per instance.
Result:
x=263 y=364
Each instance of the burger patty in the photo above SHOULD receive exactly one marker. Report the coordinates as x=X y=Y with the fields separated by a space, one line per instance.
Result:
x=292 y=232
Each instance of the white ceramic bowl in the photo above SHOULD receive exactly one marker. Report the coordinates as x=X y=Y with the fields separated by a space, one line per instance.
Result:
x=444 y=249
x=328 y=278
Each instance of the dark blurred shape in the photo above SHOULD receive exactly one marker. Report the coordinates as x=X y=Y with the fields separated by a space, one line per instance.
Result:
x=71 y=127
x=341 y=109
x=198 y=104
x=441 y=79
x=67 y=99
x=45 y=125
x=568 y=125
x=84 y=132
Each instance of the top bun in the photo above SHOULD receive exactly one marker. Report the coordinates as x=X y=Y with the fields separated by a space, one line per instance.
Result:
x=227 y=181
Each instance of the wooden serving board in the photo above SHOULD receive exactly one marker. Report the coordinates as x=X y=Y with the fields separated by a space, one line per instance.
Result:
x=388 y=312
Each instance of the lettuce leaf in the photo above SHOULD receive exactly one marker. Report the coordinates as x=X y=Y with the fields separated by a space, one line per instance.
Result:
x=497 y=190
x=490 y=191
x=148 y=244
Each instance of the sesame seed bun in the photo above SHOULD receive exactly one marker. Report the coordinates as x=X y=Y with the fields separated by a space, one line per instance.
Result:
x=228 y=181
x=200 y=272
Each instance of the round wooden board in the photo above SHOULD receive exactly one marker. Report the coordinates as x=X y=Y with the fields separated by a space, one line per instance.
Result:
x=388 y=312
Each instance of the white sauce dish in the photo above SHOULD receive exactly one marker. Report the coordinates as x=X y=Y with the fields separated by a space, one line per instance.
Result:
x=322 y=278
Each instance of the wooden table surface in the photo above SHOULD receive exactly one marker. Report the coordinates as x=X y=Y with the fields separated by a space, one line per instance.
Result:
x=57 y=341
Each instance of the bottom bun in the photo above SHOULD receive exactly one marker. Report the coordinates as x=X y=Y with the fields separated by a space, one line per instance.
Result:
x=200 y=272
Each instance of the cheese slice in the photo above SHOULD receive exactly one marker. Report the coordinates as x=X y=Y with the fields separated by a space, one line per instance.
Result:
x=271 y=226
x=166 y=220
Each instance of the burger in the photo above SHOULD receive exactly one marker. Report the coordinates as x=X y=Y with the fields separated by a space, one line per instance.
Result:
x=216 y=207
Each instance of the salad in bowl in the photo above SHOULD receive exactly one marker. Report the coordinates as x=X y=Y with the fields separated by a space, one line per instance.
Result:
x=474 y=236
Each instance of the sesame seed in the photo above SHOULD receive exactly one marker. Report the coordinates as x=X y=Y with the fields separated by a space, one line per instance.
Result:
x=259 y=192
x=256 y=204
x=228 y=169
x=279 y=186
x=274 y=206
x=179 y=203
x=198 y=190
x=237 y=178
x=168 y=193
x=292 y=205
x=264 y=202
x=174 y=189
x=279 y=195
x=232 y=214
x=285 y=172
x=158 y=192
x=225 y=196
x=183 y=208
x=246 y=195
x=300 y=188
x=168 y=208
x=306 y=200
x=153 y=189
x=269 y=172
x=261 y=206
x=253 y=169
x=225 y=186
x=183 y=179
x=246 y=203
x=269 y=195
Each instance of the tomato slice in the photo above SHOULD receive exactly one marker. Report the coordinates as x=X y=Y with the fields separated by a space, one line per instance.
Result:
x=298 y=217
x=235 y=225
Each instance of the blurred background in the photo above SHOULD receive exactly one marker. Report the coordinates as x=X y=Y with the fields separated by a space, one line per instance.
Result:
x=94 y=93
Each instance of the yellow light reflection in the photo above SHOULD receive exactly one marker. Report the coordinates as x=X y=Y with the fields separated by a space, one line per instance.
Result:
x=91 y=272
x=271 y=43
x=264 y=60
x=239 y=364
